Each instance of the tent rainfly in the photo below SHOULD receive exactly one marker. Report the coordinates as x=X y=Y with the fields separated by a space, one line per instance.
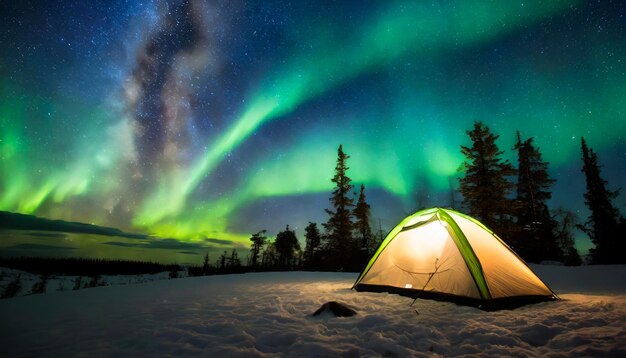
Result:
x=444 y=255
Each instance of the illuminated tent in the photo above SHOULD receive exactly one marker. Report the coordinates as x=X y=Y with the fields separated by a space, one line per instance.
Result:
x=445 y=255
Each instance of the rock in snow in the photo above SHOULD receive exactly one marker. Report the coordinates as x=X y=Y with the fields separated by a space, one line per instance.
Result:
x=336 y=308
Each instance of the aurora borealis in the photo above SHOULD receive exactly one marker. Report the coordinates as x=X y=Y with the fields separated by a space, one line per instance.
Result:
x=196 y=121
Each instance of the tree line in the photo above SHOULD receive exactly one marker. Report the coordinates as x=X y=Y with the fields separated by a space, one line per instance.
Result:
x=511 y=201
x=76 y=266
x=88 y=272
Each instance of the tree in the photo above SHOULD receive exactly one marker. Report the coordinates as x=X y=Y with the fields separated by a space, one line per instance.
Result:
x=362 y=228
x=566 y=223
x=378 y=238
x=485 y=187
x=313 y=239
x=452 y=191
x=536 y=240
x=205 y=264
x=286 y=245
x=603 y=225
x=222 y=262
x=269 y=258
x=258 y=240
x=233 y=262
x=339 y=244
x=533 y=182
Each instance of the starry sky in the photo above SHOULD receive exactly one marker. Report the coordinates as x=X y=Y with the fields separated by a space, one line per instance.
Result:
x=201 y=122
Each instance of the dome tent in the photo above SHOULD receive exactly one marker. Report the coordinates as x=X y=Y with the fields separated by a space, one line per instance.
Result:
x=445 y=255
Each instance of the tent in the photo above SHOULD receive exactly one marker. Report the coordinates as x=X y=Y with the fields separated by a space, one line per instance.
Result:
x=445 y=255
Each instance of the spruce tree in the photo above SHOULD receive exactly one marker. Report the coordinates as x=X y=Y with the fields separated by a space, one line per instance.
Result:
x=533 y=182
x=286 y=245
x=603 y=225
x=340 y=248
x=269 y=258
x=234 y=263
x=565 y=225
x=485 y=187
x=258 y=240
x=536 y=240
x=313 y=238
x=222 y=261
x=362 y=228
x=205 y=265
x=377 y=239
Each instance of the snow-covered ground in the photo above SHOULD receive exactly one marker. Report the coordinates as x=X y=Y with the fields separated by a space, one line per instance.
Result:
x=268 y=314
x=64 y=283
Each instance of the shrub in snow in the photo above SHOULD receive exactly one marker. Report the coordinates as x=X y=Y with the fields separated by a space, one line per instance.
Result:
x=40 y=287
x=193 y=271
x=13 y=288
x=77 y=283
x=95 y=282
x=173 y=274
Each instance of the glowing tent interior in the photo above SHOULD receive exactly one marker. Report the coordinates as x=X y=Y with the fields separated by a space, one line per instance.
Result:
x=445 y=255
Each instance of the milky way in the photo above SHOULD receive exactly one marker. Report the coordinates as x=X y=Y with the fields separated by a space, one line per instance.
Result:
x=213 y=120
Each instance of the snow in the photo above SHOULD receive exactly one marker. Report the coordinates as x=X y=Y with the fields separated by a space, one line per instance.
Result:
x=269 y=314
x=64 y=283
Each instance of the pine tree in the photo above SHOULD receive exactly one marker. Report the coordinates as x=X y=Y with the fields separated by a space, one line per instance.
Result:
x=485 y=187
x=536 y=240
x=362 y=228
x=205 y=265
x=286 y=245
x=234 y=263
x=603 y=225
x=313 y=239
x=339 y=246
x=533 y=182
x=222 y=261
x=565 y=225
x=378 y=238
x=269 y=258
x=258 y=240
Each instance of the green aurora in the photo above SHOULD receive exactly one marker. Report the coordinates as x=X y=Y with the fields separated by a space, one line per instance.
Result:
x=397 y=83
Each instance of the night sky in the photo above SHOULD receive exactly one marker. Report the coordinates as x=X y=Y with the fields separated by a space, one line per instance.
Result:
x=203 y=122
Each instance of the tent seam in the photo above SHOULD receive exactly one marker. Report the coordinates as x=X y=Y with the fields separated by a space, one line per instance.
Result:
x=466 y=250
